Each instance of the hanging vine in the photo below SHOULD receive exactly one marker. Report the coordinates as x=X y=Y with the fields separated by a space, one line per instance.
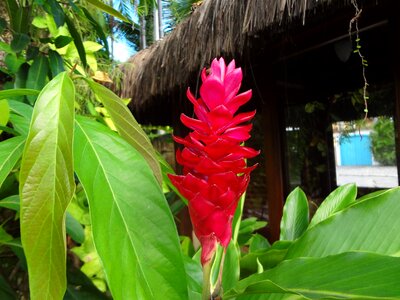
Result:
x=364 y=62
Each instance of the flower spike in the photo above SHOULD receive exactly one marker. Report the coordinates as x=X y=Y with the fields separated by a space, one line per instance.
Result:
x=214 y=160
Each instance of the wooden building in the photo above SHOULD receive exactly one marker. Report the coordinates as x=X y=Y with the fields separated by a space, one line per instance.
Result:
x=298 y=57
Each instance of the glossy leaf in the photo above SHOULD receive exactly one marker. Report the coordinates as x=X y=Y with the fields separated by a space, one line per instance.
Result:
x=46 y=187
x=56 y=11
x=127 y=126
x=13 y=62
x=295 y=215
x=98 y=29
x=268 y=258
x=108 y=9
x=18 y=92
x=369 y=225
x=339 y=199
x=20 y=80
x=10 y=152
x=138 y=244
x=19 y=42
x=354 y=275
x=258 y=242
x=62 y=41
x=11 y=202
x=247 y=228
x=194 y=277
x=56 y=63
x=77 y=40
x=231 y=270
x=37 y=75
x=74 y=229
x=20 y=116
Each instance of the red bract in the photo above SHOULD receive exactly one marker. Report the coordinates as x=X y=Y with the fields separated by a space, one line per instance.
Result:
x=215 y=173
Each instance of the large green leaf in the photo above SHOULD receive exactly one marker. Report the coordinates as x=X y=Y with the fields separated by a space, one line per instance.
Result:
x=108 y=9
x=351 y=275
x=37 y=75
x=133 y=228
x=18 y=92
x=127 y=126
x=295 y=215
x=10 y=153
x=339 y=199
x=46 y=187
x=369 y=225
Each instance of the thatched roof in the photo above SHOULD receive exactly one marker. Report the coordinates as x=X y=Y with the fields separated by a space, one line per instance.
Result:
x=216 y=27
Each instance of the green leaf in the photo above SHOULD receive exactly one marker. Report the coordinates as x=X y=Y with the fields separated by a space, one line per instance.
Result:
x=74 y=229
x=231 y=270
x=20 y=116
x=56 y=12
x=4 y=236
x=258 y=242
x=20 y=41
x=194 y=275
x=56 y=63
x=268 y=258
x=20 y=80
x=295 y=215
x=127 y=126
x=10 y=153
x=247 y=228
x=4 y=94
x=31 y=52
x=46 y=187
x=138 y=245
x=353 y=275
x=37 y=75
x=5 y=47
x=4 y=113
x=339 y=199
x=62 y=41
x=20 y=124
x=108 y=9
x=11 y=202
x=13 y=62
x=369 y=225
x=77 y=40
x=98 y=28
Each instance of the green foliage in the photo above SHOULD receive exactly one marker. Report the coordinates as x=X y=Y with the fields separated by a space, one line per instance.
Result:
x=383 y=141
x=351 y=243
x=295 y=216
x=156 y=267
x=47 y=186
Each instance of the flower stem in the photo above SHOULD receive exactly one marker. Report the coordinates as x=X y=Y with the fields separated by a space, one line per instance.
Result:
x=206 y=294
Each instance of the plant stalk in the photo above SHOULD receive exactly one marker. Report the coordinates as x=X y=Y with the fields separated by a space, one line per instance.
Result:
x=206 y=293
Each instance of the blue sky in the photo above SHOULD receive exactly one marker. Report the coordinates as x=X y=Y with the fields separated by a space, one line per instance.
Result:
x=122 y=51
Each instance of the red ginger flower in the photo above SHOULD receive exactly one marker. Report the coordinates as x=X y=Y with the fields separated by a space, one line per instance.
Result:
x=215 y=173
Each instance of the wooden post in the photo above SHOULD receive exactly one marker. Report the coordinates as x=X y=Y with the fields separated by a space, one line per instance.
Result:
x=394 y=24
x=274 y=165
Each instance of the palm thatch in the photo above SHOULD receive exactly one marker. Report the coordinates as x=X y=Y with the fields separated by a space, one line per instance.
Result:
x=216 y=27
